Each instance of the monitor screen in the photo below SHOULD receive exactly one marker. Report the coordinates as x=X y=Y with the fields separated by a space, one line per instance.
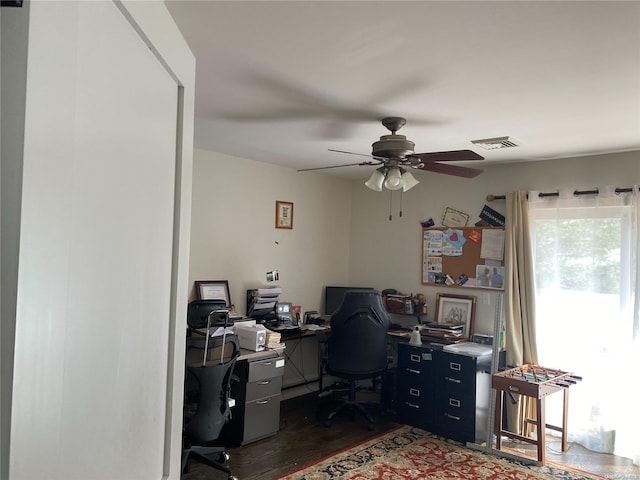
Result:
x=333 y=297
x=283 y=313
x=283 y=309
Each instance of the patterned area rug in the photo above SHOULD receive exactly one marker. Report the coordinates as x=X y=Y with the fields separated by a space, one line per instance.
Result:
x=412 y=454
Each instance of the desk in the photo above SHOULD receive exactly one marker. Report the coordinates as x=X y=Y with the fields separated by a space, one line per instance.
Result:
x=302 y=355
x=251 y=356
x=245 y=353
x=536 y=382
x=304 y=352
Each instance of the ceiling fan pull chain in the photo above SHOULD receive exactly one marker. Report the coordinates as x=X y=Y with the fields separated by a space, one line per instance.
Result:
x=401 y=203
x=390 y=204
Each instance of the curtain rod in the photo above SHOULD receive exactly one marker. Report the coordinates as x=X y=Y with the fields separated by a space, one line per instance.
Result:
x=491 y=198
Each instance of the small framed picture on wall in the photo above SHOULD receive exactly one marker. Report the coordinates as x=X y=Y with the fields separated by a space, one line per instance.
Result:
x=284 y=214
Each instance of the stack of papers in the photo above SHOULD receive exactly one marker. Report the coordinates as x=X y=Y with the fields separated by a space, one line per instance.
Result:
x=443 y=330
x=273 y=340
x=263 y=300
x=311 y=326
x=217 y=331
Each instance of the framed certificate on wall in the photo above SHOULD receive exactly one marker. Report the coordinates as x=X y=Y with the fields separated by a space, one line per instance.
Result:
x=213 y=290
x=284 y=214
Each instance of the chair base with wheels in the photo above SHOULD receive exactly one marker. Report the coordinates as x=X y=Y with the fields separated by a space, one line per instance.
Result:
x=349 y=404
x=199 y=453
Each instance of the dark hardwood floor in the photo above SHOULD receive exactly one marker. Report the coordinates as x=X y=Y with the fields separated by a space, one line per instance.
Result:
x=303 y=439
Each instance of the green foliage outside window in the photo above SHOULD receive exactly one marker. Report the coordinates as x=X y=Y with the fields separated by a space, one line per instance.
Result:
x=579 y=254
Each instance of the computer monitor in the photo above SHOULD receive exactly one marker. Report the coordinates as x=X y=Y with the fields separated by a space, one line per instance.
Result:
x=283 y=312
x=333 y=297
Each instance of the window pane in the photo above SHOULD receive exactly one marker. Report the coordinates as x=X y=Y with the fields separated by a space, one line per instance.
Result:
x=580 y=257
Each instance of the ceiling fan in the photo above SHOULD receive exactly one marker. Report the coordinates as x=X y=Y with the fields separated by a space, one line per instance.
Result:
x=394 y=153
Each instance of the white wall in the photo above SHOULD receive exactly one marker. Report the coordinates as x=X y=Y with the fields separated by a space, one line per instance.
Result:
x=233 y=234
x=89 y=269
x=396 y=245
x=342 y=233
x=14 y=34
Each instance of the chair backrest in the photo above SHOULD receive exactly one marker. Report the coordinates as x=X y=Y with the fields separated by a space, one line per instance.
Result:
x=213 y=380
x=357 y=346
x=199 y=310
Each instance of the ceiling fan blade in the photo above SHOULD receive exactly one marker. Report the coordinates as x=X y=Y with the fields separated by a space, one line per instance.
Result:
x=452 y=156
x=338 y=166
x=450 y=169
x=380 y=159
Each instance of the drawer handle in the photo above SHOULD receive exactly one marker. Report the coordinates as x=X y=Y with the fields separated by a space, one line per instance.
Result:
x=264 y=382
x=455 y=366
x=452 y=417
x=415 y=358
x=411 y=370
x=262 y=402
x=454 y=402
x=414 y=391
x=454 y=380
x=513 y=388
x=411 y=405
x=267 y=364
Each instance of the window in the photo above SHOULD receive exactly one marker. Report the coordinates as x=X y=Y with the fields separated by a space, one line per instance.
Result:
x=584 y=252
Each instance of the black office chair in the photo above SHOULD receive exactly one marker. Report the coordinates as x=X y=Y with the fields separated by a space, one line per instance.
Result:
x=208 y=374
x=357 y=346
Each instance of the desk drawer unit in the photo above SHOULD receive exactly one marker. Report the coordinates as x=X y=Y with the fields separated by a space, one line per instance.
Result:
x=257 y=394
x=463 y=396
x=262 y=407
x=445 y=393
x=264 y=388
x=262 y=418
x=264 y=369
x=415 y=387
x=456 y=398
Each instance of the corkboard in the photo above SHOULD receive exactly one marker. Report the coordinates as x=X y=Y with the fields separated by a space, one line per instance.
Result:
x=455 y=266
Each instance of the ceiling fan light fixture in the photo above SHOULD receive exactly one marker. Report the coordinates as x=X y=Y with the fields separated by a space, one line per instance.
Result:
x=376 y=180
x=394 y=179
x=408 y=181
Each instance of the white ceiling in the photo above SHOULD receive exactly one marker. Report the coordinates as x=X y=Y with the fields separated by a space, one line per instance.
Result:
x=283 y=82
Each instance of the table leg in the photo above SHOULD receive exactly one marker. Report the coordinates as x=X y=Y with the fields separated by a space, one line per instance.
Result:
x=498 y=419
x=322 y=345
x=541 y=429
x=565 y=415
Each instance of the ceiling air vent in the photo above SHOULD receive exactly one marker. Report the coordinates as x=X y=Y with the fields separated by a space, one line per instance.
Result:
x=498 y=142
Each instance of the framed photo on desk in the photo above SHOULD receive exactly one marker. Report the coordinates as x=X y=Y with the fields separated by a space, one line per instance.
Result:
x=213 y=290
x=455 y=310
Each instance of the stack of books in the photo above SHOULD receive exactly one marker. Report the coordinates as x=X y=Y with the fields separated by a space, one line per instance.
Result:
x=443 y=332
x=273 y=340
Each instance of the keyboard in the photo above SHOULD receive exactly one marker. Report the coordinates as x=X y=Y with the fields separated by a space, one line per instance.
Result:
x=289 y=332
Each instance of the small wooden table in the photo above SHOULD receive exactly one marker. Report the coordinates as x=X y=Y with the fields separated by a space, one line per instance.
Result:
x=536 y=382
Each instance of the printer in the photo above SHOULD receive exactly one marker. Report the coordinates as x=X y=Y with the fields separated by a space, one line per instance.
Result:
x=251 y=336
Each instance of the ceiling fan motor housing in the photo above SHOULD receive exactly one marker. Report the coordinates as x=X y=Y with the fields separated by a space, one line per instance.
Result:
x=393 y=146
